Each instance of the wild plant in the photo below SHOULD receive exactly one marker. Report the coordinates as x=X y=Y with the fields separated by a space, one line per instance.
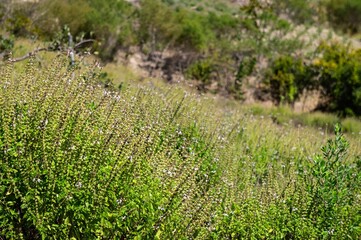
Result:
x=273 y=193
x=79 y=161
x=333 y=185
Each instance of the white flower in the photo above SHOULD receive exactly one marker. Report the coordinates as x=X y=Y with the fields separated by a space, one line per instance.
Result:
x=78 y=184
x=38 y=180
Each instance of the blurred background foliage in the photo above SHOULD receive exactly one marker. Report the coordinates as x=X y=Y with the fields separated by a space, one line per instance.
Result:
x=222 y=44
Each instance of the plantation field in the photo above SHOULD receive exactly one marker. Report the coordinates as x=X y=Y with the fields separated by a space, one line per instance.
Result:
x=79 y=161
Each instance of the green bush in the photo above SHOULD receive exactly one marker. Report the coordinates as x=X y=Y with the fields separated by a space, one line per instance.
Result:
x=79 y=161
x=287 y=78
x=196 y=33
x=158 y=25
x=19 y=23
x=6 y=44
x=223 y=24
x=202 y=71
x=112 y=24
x=246 y=68
x=251 y=220
x=332 y=187
x=54 y=15
x=339 y=74
x=336 y=73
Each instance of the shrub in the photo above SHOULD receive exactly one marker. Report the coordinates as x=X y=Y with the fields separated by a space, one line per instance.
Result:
x=334 y=181
x=19 y=23
x=202 y=71
x=287 y=79
x=54 y=15
x=246 y=68
x=339 y=74
x=157 y=24
x=336 y=73
x=223 y=24
x=196 y=33
x=319 y=201
x=6 y=44
x=112 y=23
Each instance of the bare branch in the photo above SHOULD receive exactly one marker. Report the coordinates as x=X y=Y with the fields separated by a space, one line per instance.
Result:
x=50 y=49
x=28 y=55
x=82 y=42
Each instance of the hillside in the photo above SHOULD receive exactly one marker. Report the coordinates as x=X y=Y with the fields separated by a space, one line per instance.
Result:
x=230 y=48
x=177 y=120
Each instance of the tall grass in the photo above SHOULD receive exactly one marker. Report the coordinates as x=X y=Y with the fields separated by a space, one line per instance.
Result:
x=79 y=161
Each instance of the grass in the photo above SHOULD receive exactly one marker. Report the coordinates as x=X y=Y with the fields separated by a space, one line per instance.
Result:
x=318 y=120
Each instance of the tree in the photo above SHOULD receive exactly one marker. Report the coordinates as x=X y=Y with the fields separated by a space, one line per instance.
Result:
x=158 y=25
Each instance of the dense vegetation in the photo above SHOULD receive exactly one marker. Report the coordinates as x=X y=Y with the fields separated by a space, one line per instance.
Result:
x=336 y=72
x=79 y=161
x=81 y=158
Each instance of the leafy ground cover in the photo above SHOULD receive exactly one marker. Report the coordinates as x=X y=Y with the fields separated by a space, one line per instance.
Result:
x=80 y=161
